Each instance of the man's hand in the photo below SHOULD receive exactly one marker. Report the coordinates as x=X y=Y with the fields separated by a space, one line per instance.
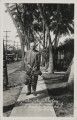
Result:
x=29 y=66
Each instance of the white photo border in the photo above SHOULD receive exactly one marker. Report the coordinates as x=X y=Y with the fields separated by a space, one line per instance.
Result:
x=75 y=60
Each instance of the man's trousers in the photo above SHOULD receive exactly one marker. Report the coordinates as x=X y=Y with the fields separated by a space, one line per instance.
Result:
x=32 y=84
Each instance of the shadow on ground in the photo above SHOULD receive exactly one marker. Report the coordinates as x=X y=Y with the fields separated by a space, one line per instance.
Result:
x=60 y=95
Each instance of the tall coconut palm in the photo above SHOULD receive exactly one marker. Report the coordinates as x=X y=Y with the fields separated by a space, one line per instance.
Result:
x=45 y=17
x=21 y=15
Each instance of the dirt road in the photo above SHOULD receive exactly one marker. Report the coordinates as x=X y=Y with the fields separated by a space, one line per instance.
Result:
x=12 y=67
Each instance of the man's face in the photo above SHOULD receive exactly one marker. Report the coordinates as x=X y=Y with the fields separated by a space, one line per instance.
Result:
x=32 y=46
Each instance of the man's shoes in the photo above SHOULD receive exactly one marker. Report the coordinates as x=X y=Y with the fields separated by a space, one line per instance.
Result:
x=28 y=93
x=34 y=93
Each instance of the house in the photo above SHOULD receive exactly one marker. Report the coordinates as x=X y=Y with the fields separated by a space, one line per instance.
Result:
x=65 y=53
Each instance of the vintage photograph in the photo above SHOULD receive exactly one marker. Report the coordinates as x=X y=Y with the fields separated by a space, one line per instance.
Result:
x=38 y=60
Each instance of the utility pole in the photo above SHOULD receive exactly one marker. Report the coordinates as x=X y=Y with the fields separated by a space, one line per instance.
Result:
x=16 y=45
x=6 y=38
x=5 y=74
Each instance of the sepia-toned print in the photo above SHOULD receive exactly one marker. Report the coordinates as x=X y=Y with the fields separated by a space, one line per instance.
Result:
x=38 y=59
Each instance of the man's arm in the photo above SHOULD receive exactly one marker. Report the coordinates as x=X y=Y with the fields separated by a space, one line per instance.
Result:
x=37 y=62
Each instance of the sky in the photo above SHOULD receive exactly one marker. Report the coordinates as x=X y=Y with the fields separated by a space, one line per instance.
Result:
x=9 y=26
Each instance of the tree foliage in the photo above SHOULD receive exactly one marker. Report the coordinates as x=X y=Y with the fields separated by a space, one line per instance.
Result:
x=34 y=18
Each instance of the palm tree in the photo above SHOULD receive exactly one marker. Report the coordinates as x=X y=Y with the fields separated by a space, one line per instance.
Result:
x=55 y=19
x=50 y=69
x=49 y=18
x=11 y=9
x=21 y=15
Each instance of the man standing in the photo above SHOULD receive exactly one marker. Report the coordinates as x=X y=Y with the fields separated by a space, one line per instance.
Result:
x=32 y=68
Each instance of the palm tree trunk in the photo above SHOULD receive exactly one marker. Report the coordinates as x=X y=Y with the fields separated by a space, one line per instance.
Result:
x=50 y=67
x=28 y=40
x=55 y=50
x=69 y=68
x=22 y=51
x=46 y=41
x=44 y=33
x=71 y=76
x=55 y=39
